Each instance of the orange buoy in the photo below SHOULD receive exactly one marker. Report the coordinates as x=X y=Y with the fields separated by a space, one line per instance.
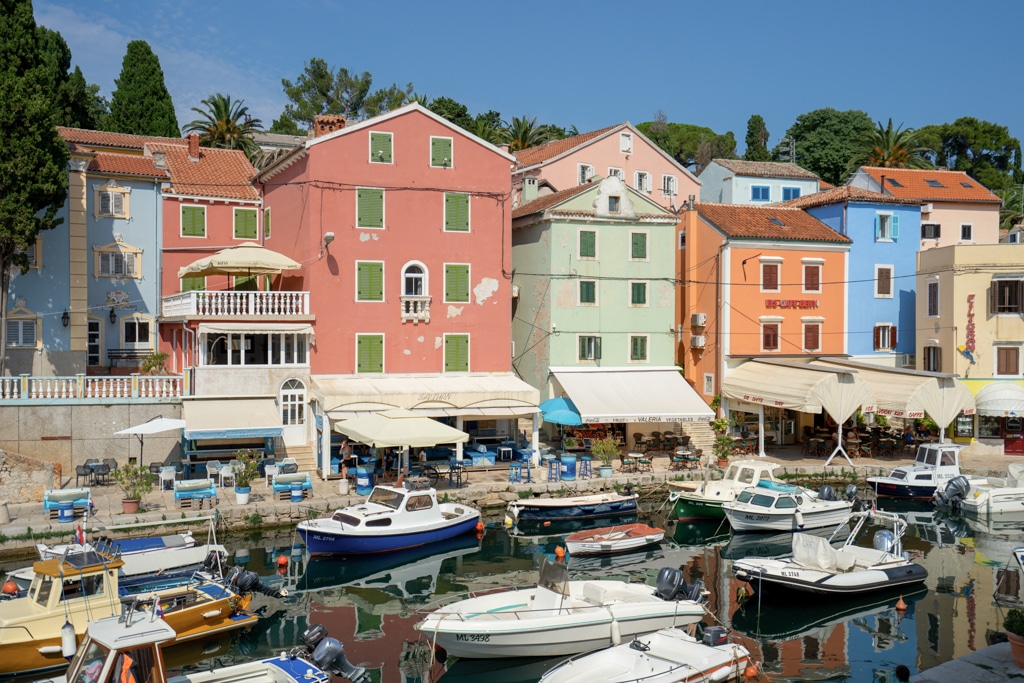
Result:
x=547 y=524
x=750 y=671
x=900 y=605
x=10 y=588
x=559 y=552
x=282 y=569
x=282 y=561
x=480 y=525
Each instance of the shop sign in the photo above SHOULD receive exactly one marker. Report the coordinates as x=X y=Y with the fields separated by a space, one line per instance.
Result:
x=907 y=414
x=761 y=400
x=442 y=396
x=619 y=419
x=970 y=323
x=790 y=303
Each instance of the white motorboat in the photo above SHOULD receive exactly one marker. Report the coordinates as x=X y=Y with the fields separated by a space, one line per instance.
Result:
x=700 y=499
x=131 y=647
x=771 y=506
x=982 y=497
x=666 y=656
x=561 y=617
x=612 y=539
x=934 y=465
x=816 y=567
x=540 y=510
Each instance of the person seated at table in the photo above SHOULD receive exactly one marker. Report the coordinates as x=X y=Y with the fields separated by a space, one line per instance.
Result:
x=922 y=433
x=908 y=437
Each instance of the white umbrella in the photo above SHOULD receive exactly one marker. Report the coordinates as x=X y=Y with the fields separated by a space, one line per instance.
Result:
x=249 y=258
x=154 y=425
x=398 y=427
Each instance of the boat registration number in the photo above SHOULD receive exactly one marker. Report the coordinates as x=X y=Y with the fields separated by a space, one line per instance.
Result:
x=756 y=518
x=790 y=573
x=473 y=637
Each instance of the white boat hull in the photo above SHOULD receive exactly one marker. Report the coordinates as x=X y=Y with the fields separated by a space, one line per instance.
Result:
x=769 y=519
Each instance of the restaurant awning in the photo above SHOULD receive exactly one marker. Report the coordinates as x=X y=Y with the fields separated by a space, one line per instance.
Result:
x=655 y=394
x=221 y=417
x=255 y=327
x=478 y=395
x=1000 y=398
x=396 y=428
x=800 y=387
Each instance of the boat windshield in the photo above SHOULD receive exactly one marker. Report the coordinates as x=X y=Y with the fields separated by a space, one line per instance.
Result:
x=41 y=589
x=762 y=500
x=746 y=475
x=744 y=497
x=785 y=502
x=88 y=663
x=386 y=497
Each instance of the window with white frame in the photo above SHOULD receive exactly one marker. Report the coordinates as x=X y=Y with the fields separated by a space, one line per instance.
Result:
x=760 y=193
x=883 y=281
x=812 y=334
x=638 y=246
x=933 y=298
x=790 y=193
x=709 y=384
x=589 y=347
x=642 y=181
x=588 y=292
x=135 y=332
x=615 y=171
x=966 y=232
x=638 y=348
x=293 y=402
x=588 y=244
x=669 y=185
x=584 y=172
x=626 y=143
x=884 y=337
x=254 y=348
x=770 y=331
x=770 y=272
x=414 y=280
x=932 y=359
x=22 y=329
x=812 y=275
x=638 y=294
x=1007 y=360
x=116 y=264
x=887 y=227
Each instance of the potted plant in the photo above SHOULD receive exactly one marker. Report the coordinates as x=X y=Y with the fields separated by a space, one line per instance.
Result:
x=720 y=425
x=723 y=448
x=605 y=449
x=135 y=481
x=1014 y=625
x=248 y=468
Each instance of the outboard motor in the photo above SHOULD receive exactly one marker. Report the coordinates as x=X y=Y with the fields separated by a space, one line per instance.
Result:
x=826 y=493
x=312 y=636
x=955 y=492
x=884 y=540
x=672 y=586
x=851 y=495
x=214 y=561
x=249 y=582
x=329 y=655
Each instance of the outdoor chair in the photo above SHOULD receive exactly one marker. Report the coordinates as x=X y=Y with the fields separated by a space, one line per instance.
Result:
x=82 y=472
x=628 y=463
x=102 y=473
x=228 y=473
x=155 y=467
x=111 y=463
x=213 y=469
x=168 y=474
x=287 y=468
x=638 y=441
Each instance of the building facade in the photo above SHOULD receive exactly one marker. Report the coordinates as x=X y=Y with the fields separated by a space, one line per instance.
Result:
x=735 y=181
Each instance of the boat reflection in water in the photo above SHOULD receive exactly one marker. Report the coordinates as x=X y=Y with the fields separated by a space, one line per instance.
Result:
x=529 y=528
x=511 y=670
x=773 y=544
x=699 y=532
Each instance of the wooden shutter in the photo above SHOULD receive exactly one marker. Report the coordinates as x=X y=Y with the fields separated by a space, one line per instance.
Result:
x=245 y=224
x=811 y=341
x=638 y=348
x=370 y=281
x=878 y=337
x=370 y=207
x=380 y=148
x=938 y=359
x=129 y=265
x=894 y=226
x=587 y=292
x=884 y=287
x=770 y=276
x=456 y=353
x=639 y=245
x=193 y=221
x=878 y=227
x=812 y=279
x=583 y=355
x=597 y=348
x=106 y=199
x=370 y=349
x=588 y=244
x=456 y=282
x=441 y=152
x=639 y=293
x=771 y=336
x=456 y=212
x=266 y=222
x=933 y=298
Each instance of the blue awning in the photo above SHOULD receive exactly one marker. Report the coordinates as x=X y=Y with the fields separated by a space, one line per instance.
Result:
x=220 y=417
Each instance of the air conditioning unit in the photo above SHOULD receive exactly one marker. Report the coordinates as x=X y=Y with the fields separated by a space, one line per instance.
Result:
x=698 y=341
x=698 y=319
x=515 y=291
x=909 y=360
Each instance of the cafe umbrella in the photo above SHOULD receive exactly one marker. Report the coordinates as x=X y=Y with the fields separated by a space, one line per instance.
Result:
x=155 y=425
x=562 y=412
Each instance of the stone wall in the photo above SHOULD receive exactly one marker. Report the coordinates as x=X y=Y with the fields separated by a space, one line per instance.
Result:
x=23 y=478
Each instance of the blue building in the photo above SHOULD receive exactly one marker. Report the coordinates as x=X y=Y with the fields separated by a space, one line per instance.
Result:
x=882 y=269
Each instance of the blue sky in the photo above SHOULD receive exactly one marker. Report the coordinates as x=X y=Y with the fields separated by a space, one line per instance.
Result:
x=588 y=64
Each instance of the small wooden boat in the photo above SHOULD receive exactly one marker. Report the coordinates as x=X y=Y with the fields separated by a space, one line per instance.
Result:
x=612 y=539
x=392 y=518
x=67 y=593
x=561 y=617
x=666 y=656
x=771 y=506
x=703 y=499
x=608 y=504
x=134 y=648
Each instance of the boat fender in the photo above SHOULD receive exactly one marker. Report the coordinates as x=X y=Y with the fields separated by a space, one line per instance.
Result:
x=68 y=641
x=742 y=594
x=508 y=521
x=616 y=633
x=798 y=517
x=750 y=671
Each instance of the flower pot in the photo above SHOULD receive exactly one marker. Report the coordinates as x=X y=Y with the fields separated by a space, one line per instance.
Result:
x=723 y=462
x=242 y=494
x=130 y=505
x=606 y=471
x=1016 y=648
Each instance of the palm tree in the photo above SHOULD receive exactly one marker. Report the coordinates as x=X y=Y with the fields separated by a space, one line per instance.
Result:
x=890 y=148
x=488 y=132
x=523 y=133
x=226 y=124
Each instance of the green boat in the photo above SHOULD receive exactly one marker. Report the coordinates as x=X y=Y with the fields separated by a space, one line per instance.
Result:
x=703 y=499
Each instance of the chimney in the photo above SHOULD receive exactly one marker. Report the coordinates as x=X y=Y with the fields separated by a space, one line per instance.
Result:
x=160 y=159
x=193 y=146
x=529 y=189
x=327 y=123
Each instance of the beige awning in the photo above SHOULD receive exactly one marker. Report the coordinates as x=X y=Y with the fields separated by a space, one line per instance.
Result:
x=1000 y=398
x=397 y=428
x=655 y=394
x=255 y=327
x=249 y=258
x=493 y=395
x=221 y=417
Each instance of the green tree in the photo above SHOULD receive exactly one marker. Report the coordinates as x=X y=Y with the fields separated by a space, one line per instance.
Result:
x=985 y=151
x=826 y=140
x=33 y=158
x=889 y=148
x=690 y=145
x=319 y=90
x=387 y=99
x=141 y=104
x=453 y=111
x=285 y=126
x=757 y=140
x=73 y=97
x=1012 y=212
x=226 y=123
x=524 y=133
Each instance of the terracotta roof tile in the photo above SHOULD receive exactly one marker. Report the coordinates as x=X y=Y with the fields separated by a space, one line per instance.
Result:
x=125 y=164
x=931 y=185
x=99 y=138
x=768 y=222
x=765 y=169
x=550 y=150
x=846 y=193
x=223 y=173
x=541 y=203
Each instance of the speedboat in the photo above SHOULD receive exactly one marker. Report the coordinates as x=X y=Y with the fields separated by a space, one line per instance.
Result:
x=700 y=499
x=612 y=539
x=69 y=592
x=133 y=648
x=607 y=504
x=392 y=518
x=934 y=465
x=771 y=506
x=991 y=496
x=816 y=567
x=666 y=656
x=561 y=617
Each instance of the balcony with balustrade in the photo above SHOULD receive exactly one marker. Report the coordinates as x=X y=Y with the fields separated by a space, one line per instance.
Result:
x=235 y=304
x=415 y=308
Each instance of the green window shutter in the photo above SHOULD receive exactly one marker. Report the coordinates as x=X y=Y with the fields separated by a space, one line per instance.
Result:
x=370 y=207
x=639 y=245
x=639 y=293
x=456 y=212
x=638 y=348
x=583 y=348
x=247 y=283
x=588 y=244
x=456 y=282
x=266 y=222
x=380 y=148
x=894 y=226
x=193 y=284
x=588 y=292
x=193 y=221
x=370 y=350
x=456 y=353
x=370 y=276
x=441 y=152
x=245 y=224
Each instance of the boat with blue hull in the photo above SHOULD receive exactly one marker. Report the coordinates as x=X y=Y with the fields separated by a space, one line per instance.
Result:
x=610 y=504
x=392 y=518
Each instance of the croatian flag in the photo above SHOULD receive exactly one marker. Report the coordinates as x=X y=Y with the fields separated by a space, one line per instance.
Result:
x=80 y=536
x=157 y=609
x=92 y=506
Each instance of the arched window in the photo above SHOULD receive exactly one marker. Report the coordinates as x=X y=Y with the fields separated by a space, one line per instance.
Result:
x=414 y=281
x=293 y=402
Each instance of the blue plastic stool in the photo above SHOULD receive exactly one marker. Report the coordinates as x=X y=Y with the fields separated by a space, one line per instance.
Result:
x=554 y=469
x=586 y=470
x=515 y=473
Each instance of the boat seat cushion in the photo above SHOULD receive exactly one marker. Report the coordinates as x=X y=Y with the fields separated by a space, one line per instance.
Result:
x=845 y=561
x=813 y=552
x=593 y=593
